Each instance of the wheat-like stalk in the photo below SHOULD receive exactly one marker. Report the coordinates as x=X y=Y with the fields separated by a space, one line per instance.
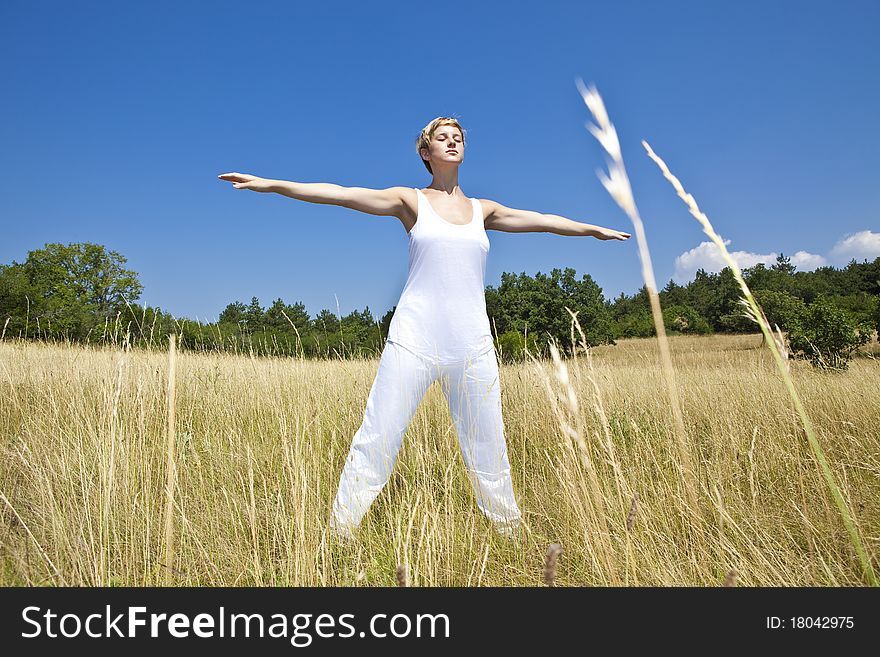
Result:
x=749 y=312
x=400 y=573
x=553 y=552
x=34 y=539
x=616 y=182
x=631 y=516
x=298 y=339
x=600 y=406
x=758 y=316
x=730 y=578
x=170 y=462
x=565 y=407
x=283 y=424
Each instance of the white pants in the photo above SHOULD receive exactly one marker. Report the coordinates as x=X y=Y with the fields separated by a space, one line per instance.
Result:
x=473 y=392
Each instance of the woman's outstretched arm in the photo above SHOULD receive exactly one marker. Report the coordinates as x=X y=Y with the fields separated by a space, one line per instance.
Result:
x=511 y=220
x=386 y=202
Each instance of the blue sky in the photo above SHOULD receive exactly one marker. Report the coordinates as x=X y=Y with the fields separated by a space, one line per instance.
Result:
x=118 y=117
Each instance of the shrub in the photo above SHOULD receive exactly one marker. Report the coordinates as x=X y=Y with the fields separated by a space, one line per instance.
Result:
x=876 y=320
x=827 y=335
x=684 y=319
x=511 y=345
x=736 y=322
x=781 y=308
x=639 y=324
x=861 y=306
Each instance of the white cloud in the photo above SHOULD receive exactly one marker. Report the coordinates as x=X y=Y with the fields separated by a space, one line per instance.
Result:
x=805 y=261
x=707 y=256
x=861 y=245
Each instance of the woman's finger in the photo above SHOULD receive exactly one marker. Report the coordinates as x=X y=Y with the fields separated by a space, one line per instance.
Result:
x=233 y=177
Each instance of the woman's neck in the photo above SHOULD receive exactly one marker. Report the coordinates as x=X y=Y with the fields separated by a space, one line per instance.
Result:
x=446 y=181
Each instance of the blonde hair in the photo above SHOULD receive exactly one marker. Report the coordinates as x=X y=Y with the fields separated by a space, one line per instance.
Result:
x=427 y=133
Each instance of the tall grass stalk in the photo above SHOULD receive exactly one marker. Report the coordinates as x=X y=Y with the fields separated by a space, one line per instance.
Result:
x=617 y=185
x=288 y=424
x=34 y=539
x=623 y=488
x=108 y=476
x=170 y=462
x=781 y=362
x=550 y=561
x=584 y=494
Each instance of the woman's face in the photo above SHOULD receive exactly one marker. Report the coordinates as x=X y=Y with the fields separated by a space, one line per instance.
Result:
x=447 y=146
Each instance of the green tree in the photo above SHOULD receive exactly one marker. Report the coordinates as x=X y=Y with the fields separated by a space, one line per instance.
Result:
x=783 y=265
x=779 y=277
x=326 y=322
x=16 y=296
x=326 y=338
x=361 y=333
x=92 y=275
x=537 y=305
x=276 y=320
x=724 y=311
x=631 y=316
x=254 y=316
x=234 y=313
x=385 y=322
x=701 y=293
x=69 y=289
x=673 y=294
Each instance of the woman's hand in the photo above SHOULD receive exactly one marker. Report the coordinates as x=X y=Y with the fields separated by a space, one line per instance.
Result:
x=247 y=181
x=609 y=234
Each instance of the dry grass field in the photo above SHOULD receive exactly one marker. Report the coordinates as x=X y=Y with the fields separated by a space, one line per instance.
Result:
x=260 y=444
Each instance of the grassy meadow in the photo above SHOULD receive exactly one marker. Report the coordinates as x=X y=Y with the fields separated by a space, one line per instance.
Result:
x=260 y=444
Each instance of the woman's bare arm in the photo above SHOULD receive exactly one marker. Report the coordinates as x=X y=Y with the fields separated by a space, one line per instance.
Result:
x=511 y=220
x=385 y=202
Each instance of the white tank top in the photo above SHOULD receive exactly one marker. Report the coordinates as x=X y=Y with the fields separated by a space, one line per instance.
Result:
x=441 y=314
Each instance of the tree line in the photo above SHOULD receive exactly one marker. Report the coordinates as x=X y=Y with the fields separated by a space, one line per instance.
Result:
x=83 y=293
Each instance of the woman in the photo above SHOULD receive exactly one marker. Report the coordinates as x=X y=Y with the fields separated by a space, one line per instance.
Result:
x=439 y=330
